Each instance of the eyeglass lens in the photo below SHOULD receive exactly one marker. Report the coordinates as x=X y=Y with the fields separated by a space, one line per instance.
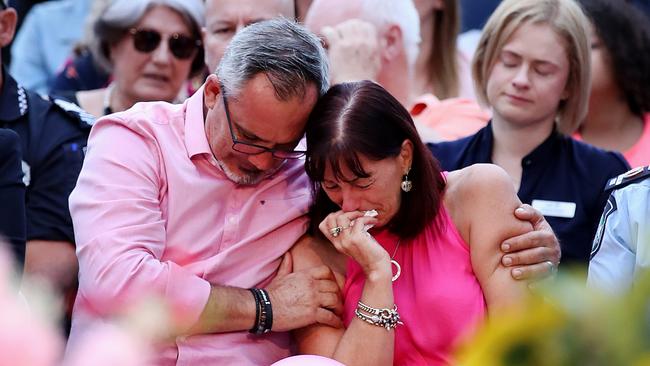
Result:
x=146 y=40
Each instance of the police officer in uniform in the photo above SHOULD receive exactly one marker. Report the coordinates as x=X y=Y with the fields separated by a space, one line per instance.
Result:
x=53 y=137
x=622 y=244
x=12 y=195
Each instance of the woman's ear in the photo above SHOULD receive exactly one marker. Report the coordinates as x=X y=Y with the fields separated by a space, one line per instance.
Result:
x=406 y=155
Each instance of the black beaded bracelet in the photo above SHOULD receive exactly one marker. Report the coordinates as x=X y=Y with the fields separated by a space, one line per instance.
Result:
x=258 y=306
x=263 y=312
x=268 y=311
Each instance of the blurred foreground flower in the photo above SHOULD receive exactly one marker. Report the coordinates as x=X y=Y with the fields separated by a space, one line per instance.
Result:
x=565 y=324
x=30 y=334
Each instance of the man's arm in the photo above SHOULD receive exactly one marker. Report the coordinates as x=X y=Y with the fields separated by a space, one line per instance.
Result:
x=533 y=255
x=298 y=299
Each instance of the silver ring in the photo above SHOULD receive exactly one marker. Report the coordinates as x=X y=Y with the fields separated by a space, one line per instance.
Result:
x=335 y=231
x=552 y=267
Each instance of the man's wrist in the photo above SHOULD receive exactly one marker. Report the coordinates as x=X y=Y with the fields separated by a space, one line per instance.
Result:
x=263 y=311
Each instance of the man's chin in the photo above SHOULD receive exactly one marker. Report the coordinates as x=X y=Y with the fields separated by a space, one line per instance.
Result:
x=249 y=179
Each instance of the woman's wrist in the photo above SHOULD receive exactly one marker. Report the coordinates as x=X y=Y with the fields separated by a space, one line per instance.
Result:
x=379 y=274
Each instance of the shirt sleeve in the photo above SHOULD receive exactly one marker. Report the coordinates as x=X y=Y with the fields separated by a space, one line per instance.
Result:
x=120 y=228
x=614 y=250
x=12 y=194
x=52 y=181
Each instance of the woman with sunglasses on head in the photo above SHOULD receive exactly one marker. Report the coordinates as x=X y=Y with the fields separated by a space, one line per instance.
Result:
x=151 y=48
x=619 y=103
x=415 y=251
x=532 y=67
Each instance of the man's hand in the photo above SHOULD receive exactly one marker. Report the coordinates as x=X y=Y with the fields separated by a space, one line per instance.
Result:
x=304 y=297
x=536 y=254
x=353 y=50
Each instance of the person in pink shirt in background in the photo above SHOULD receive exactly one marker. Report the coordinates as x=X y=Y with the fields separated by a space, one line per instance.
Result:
x=198 y=203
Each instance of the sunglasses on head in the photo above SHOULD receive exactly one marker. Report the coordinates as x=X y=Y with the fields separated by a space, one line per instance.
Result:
x=147 y=40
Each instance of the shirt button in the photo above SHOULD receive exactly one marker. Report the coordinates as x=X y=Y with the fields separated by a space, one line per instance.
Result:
x=528 y=162
x=232 y=219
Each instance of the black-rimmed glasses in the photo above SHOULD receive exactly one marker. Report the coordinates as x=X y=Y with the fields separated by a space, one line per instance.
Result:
x=253 y=149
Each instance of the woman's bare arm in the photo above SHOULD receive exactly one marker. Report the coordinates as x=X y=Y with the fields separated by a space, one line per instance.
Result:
x=485 y=201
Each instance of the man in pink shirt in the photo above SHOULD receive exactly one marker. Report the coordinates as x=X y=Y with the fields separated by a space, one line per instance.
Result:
x=198 y=203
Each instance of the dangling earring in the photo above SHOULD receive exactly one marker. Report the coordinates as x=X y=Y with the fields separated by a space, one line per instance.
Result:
x=406 y=183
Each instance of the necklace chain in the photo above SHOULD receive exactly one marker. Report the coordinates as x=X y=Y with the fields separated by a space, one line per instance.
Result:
x=393 y=262
x=396 y=247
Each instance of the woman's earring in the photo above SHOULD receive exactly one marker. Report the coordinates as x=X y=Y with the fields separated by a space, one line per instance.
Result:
x=406 y=183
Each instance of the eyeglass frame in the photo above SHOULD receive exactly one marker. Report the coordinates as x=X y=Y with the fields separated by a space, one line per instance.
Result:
x=263 y=149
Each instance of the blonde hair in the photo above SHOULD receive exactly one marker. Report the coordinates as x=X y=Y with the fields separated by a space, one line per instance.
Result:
x=443 y=61
x=567 y=19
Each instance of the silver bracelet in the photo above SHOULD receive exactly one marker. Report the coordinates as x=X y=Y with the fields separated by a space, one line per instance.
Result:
x=387 y=318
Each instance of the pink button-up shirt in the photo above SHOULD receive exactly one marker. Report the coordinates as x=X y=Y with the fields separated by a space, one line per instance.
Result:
x=155 y=215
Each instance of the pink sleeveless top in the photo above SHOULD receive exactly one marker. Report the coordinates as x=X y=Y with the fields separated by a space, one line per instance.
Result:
x=439 y=298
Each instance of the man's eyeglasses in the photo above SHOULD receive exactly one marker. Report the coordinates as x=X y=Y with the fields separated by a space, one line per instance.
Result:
x=3 y=4
x=147 y=40
x=253 y=149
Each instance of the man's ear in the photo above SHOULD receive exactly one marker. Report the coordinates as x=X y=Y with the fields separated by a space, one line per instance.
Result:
x=393 y=42
x=211 y=91
x=8 y=19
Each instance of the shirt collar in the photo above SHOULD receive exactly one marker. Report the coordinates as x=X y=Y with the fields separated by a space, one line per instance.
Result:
x=484 y=144
x=546 y=151
x=196 y=141
x=13 y=99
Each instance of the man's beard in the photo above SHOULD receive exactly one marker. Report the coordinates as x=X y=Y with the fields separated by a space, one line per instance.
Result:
x=247 y=179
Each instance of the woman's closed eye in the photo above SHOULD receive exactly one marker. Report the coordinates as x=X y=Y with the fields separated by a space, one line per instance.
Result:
x=509 y=60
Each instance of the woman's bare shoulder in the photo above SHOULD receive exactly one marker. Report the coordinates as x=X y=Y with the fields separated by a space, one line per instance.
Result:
x=478 y=179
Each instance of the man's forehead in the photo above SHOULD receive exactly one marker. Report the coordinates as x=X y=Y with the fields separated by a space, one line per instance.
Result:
x=231 y=10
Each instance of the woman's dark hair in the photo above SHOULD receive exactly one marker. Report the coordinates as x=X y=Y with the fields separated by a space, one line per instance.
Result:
x=625 y=33
x=362 y=119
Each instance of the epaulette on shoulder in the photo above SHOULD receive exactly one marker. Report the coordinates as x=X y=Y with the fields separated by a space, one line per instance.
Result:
x=86 y=119
x=631 y=176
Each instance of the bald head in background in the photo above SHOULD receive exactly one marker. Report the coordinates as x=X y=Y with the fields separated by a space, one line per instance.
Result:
x=369 y=39
x=224 y=18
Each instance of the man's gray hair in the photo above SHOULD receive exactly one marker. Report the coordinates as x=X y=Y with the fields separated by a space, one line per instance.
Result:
x=288 y=54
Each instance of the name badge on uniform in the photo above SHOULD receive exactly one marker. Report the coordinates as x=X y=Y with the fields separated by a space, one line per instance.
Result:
x=555 y=208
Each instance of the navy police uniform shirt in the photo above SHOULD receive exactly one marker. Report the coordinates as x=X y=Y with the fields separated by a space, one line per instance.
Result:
x=621 y=250
x=12 y=194
x=53 y=136
x=562 y=178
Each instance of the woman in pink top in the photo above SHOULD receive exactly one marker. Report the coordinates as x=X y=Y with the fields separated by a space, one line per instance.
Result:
x=619 y=103
x=415 y=251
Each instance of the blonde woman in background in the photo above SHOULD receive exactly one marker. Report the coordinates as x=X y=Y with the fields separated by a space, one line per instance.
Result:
x=532 y=67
